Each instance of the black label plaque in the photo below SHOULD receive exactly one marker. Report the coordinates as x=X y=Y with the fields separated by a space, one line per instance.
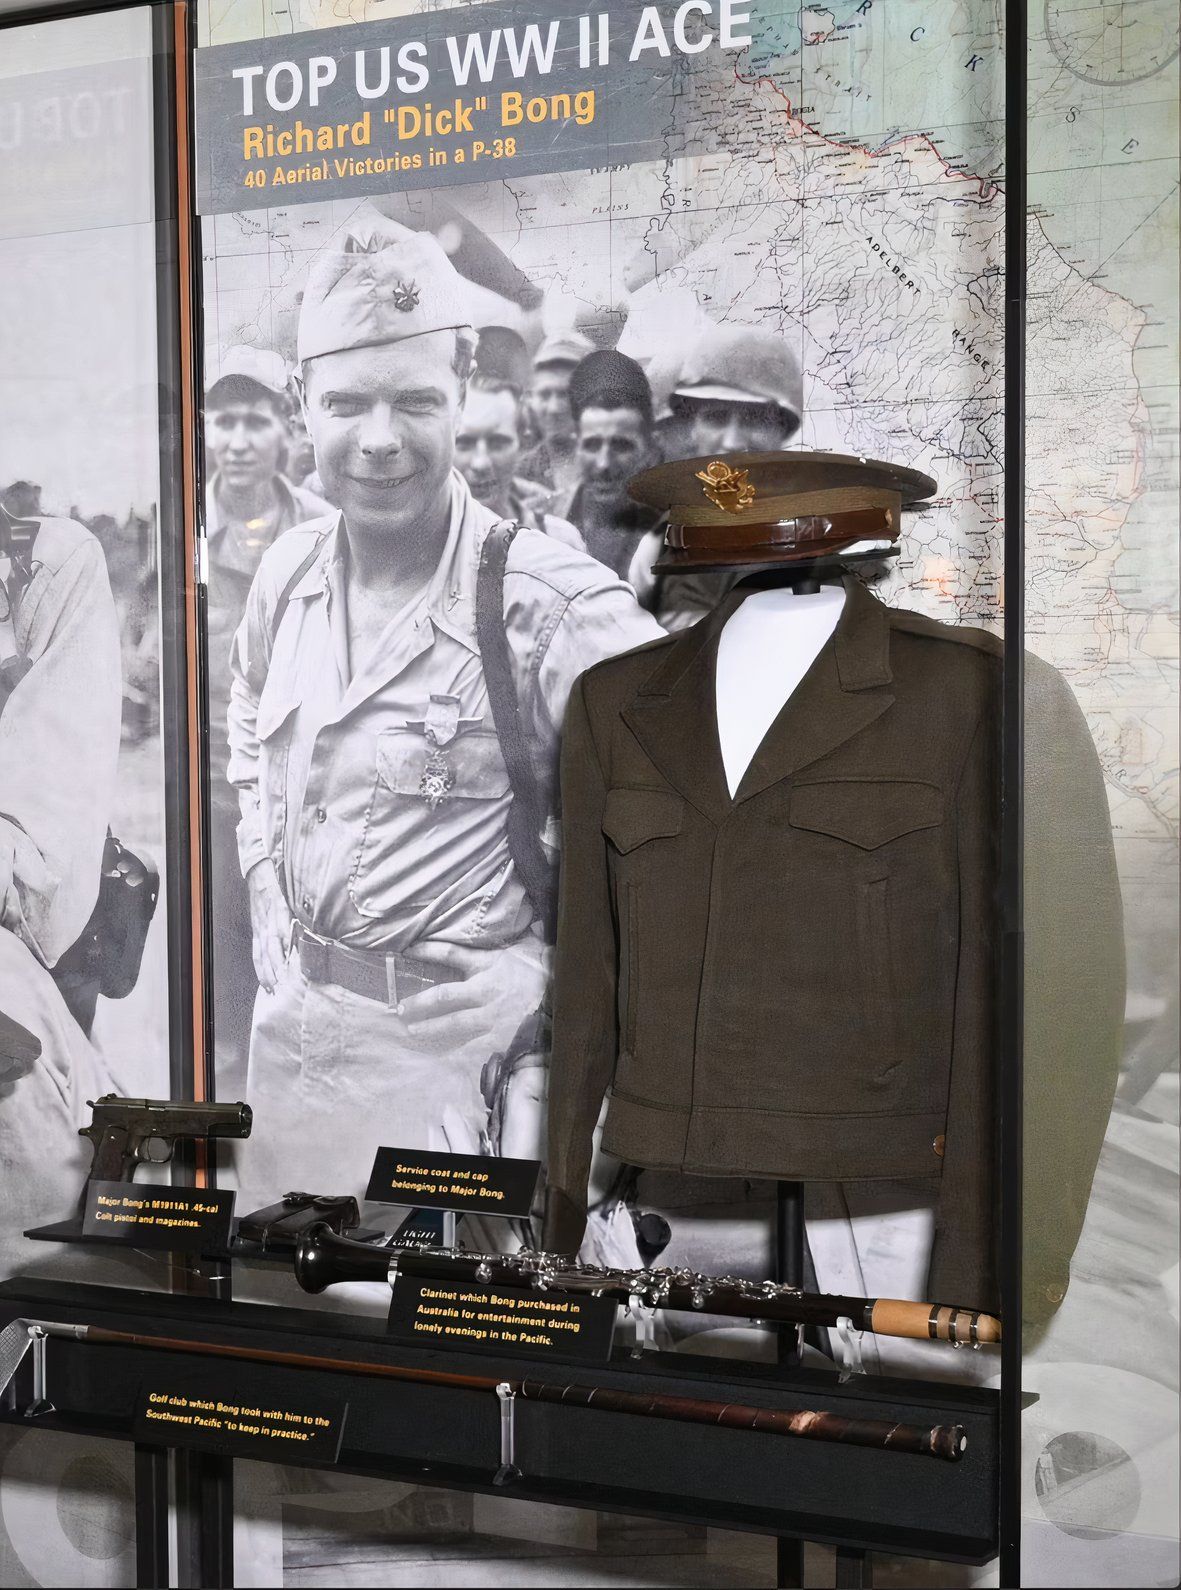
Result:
x=252 y=1414
x=471 y=1182
x=501 y=1319
x=188 y=1219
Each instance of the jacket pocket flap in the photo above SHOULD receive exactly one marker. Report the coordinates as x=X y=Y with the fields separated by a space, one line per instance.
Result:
x=632 y=816
x=866 y=812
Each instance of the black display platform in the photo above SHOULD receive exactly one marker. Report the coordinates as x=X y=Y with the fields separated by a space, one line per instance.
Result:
x=240 y=1248
x=581 y=1457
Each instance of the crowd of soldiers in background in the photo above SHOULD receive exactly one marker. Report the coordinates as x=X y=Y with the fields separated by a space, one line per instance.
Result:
x=548 y=439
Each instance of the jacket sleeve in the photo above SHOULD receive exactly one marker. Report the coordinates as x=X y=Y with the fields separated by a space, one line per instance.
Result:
x=585 y=1034
x=963 y=1256
x=1074 y=982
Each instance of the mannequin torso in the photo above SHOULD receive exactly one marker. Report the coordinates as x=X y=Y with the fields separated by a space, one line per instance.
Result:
x=765 y=649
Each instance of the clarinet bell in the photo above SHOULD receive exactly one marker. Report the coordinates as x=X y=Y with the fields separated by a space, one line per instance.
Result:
x=323 y=1259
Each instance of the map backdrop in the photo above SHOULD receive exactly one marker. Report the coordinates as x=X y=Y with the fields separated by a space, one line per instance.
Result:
x=840 y=182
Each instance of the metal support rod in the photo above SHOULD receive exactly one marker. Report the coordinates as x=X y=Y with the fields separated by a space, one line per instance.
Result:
x=151 y=1516
x=508 y=1470
x=853 y=1569
x=850 y=1340
x=40 y=1404
x=644 y=1320
x=449 y=1228
x=1010 y=1092
x=789 y=1271
x=789 y=1258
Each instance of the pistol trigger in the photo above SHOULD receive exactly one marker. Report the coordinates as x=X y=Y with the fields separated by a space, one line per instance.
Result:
x=149 y=1157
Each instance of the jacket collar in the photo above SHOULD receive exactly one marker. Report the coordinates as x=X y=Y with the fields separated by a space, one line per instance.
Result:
x=674 y=714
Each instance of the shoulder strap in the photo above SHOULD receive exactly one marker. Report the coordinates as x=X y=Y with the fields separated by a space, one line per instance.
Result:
x=527 y=815
x=285 y=593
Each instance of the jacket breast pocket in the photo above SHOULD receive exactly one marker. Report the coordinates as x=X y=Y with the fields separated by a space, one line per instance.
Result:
x=865 y=812
x=631 y=817
x=404 y=858
x=274 y=726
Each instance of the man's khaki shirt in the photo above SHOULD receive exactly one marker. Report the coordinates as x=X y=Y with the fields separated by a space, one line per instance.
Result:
x=330 y=768
x=235 y=552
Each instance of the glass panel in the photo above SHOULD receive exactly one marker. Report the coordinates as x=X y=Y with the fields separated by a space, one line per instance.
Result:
x=834 y=193
x=1099 y=1471
x=84 y=973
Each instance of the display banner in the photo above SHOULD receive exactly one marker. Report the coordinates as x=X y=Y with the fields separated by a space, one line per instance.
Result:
x=427 y=101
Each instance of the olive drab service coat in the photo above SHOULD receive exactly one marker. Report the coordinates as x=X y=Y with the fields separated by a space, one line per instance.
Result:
x=805 y=980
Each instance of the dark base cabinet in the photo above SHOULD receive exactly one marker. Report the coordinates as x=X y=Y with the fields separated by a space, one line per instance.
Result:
x=852 y=1497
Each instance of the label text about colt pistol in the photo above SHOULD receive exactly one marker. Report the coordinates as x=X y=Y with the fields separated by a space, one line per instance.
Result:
x=190 y=1219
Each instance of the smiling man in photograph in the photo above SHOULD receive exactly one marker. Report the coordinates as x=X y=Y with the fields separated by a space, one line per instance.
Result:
x=390 y=835
x=612 y=406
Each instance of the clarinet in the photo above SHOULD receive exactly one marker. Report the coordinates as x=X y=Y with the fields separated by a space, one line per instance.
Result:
x=324 y=1259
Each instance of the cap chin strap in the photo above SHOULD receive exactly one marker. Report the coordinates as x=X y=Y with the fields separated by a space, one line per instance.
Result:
x=804 y=536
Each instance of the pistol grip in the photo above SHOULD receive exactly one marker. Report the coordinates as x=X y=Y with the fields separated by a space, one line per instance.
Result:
x=114 y=1155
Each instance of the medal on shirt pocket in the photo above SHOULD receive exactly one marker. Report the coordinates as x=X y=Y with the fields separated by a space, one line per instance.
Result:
x=440 y=726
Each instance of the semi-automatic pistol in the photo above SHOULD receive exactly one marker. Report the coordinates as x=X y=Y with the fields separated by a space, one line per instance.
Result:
x=129 y=1132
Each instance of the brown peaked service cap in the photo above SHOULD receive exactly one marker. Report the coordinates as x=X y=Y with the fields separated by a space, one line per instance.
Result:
x=754 y=510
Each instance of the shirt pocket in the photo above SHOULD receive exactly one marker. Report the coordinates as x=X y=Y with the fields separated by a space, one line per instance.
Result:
x=474 y=758
x=274 y=726
x=410 y=852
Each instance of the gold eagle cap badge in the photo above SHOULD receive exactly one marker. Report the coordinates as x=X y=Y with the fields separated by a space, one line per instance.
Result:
x=728 y=489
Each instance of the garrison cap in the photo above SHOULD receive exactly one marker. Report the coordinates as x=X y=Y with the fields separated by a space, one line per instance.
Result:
x=565 y=347
x=608 y=379
x=743 y=364
x=756 y=510
x=380 y=283
x=258 y=365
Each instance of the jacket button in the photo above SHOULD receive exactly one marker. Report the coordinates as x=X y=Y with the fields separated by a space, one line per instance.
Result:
x=938 y=1145
x=1055 y=1293
x=321 y=815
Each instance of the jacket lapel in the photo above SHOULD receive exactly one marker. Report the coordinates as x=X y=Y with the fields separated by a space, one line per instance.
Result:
x=843 y=692
x=674 y=715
